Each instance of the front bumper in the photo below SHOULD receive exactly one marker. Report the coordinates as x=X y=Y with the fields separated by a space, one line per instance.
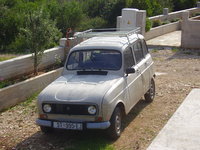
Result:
x=88 y=125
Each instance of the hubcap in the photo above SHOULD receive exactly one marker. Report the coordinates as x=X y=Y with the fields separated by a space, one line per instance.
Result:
x=152 y=91
x=118 y=124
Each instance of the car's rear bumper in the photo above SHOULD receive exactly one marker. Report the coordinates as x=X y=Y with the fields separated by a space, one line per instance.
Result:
x=88 y=125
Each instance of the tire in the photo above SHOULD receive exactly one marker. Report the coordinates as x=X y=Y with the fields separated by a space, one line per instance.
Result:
x=46 y=130
x=114 y=131
x=149 y=96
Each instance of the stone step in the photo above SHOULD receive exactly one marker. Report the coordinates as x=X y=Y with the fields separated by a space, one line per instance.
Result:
x=182 y=131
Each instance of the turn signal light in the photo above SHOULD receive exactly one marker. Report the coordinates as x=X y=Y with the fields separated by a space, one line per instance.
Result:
x=43 y=116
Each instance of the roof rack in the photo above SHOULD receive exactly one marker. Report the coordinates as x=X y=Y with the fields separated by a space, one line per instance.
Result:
x=108 y=32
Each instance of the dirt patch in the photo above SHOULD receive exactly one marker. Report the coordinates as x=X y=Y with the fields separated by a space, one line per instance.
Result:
x=181 y=74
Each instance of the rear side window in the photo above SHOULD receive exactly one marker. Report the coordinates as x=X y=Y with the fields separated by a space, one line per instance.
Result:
x=145 y=49
x=137 y=48
x=128 y=58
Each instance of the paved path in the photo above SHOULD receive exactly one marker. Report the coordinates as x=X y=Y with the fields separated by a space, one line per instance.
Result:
x=172 y=39
x=182 y=131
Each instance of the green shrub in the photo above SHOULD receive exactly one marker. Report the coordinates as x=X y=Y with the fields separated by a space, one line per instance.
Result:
x=148 y=24
x=165 y=22
x=175 y=19
x=91 y=23
x=197 y=14
x=156 y=23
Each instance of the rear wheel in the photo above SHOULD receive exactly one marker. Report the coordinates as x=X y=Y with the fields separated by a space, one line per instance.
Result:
x=46 y=130
x=114 y=131
x=149 y=96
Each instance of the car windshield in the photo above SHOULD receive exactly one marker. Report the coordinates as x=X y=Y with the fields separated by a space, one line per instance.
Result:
x=94 y=60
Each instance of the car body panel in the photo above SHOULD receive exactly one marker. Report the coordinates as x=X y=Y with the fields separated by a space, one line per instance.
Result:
x=103 y=91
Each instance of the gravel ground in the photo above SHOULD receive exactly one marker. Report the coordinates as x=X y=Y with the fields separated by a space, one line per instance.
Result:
x=179 y=72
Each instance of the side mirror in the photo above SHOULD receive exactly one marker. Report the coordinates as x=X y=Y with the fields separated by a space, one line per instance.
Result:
x=130 y=70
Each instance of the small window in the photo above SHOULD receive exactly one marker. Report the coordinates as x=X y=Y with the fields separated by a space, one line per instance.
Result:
x=145 y=49
x=137 y=48
x=128 y=58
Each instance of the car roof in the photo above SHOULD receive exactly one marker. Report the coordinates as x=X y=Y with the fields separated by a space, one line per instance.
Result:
x=110 y=42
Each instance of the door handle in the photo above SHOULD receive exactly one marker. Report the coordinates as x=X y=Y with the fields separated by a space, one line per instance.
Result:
x=138 y=71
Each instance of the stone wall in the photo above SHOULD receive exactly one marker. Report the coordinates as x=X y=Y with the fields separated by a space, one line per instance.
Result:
x=14 y=94
x=161 y=30
x=24 y=64
x=174 y=15
x=190 y=37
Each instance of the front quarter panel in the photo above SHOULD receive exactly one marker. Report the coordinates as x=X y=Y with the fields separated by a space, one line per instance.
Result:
x=116 y=94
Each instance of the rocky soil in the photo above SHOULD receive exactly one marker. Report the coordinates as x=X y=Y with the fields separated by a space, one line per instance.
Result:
x=178 y=73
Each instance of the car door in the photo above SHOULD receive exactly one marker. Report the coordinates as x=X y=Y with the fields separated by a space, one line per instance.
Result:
x=148 y=66
x=142 y=63
x=133 y=80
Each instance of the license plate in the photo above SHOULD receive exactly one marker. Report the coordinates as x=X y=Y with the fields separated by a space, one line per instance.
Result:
x=68 y=125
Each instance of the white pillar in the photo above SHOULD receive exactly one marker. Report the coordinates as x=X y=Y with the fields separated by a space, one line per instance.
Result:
x=128 y=18
x=141 y=20
x=165 y=11
x=119 y=22
x=198 y=4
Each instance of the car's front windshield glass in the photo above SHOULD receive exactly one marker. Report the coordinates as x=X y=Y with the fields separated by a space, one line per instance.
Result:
x=94 y=60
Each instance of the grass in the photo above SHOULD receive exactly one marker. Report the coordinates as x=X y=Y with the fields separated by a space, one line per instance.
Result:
x=175 y=50
x=154 y=50
x=92 y=143
x=3 y=58
x=5 y=83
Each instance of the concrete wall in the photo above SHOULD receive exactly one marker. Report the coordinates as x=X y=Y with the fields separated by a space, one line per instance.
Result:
x=164 y=29
x=24 y=64
x=173 y=15
x=14 y=94
x=190 y=37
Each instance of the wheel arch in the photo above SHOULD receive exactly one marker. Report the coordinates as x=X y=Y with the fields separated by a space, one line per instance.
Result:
x=121 y=105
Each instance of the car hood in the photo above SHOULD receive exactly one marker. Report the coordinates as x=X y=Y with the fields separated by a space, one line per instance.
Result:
x=79 y=88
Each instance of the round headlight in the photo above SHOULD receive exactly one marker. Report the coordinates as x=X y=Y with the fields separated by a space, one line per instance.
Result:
x=92 y=110
x=47 y=108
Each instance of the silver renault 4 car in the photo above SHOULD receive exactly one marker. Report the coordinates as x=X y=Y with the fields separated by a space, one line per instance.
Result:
x=103 y=78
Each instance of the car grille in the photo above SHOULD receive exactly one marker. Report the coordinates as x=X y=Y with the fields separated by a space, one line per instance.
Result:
x=69 y=109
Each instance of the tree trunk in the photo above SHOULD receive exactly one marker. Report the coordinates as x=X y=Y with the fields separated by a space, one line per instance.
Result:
x=35 y=64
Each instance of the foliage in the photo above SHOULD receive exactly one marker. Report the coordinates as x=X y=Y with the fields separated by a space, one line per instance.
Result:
x=148 y=24
x=91 y=23
x=38 y=32
x=10 y=22
x=165 y=22
x=156 y=23
x=76 y=14
x=106 y=9
x=67 y=15
x=183 y=4
x=175 y=19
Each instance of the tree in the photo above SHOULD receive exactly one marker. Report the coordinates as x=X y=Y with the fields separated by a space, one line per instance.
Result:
x=67 y=14
x=9 y=23
x=39 y=32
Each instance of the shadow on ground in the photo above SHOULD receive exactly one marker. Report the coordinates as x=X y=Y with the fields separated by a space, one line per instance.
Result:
x=73 y=140
x=134 y=112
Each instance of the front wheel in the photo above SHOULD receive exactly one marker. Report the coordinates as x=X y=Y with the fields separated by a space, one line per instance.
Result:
x=149 y=96
x=114 y=131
